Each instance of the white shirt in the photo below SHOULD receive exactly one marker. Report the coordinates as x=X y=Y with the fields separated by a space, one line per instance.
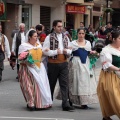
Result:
x=106 y=56
x=46 y=45
x=14 y=41
x=7 y=47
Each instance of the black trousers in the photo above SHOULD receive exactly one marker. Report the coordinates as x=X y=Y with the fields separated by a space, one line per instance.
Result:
x=1 y=69
x=18 y=68
x=59 y=71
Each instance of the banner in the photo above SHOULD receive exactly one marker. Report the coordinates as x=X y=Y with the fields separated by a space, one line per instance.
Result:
x=73 y=8
x=2 y=10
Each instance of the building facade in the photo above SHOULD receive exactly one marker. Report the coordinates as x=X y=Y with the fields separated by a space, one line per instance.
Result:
x=79 y=11
x=11 y=20
x=44 y=12
x=33 y=12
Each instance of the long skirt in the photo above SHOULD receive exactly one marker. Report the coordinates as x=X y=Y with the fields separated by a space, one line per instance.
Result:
x=31 y=90
x=108 y=91
x=82 y=83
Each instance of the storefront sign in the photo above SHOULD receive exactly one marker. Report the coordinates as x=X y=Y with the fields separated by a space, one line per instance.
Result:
x=75 y=9
x=2 y=10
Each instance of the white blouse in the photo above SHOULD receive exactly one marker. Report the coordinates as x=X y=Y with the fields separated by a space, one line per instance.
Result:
x=106 y=56
x=75 y=45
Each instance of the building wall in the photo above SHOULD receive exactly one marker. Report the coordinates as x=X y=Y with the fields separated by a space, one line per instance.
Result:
x=115 y=4
x=57 y=10
x=78 y=18
x=58 y=13
x=35 y=14
x=13 y=18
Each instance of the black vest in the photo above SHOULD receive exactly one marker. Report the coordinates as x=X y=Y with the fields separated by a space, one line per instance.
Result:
x=2 y=48
x=18 y=42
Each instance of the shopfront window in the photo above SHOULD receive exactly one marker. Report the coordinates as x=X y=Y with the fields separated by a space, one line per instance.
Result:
x=27 y=16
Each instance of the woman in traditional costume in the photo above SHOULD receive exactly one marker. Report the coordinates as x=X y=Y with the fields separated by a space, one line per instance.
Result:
x=83 y=86
x=108 y=89
x=32 y=75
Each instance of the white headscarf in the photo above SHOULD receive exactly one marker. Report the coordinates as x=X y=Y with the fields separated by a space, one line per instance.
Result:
x=26 y=37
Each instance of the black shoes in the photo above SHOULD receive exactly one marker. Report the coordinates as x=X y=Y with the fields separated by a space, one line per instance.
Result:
x=69 y=108
x=17 y=78
x=71 y=104
x=107 y=118
x=31 y=108
x=85 y=107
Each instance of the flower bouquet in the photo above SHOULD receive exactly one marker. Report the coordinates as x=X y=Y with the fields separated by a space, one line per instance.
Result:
x=93 y=56
x=23 y=56
x=26 y=57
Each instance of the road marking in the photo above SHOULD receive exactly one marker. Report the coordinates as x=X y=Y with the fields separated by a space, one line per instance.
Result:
x=33 y=118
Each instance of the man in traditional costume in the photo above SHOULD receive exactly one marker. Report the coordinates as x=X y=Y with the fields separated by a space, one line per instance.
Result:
x=56 y=48
x=18 y=39
x=4 y=47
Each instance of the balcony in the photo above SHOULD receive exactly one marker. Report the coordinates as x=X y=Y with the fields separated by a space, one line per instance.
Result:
x=88 y=0
x=75 y=1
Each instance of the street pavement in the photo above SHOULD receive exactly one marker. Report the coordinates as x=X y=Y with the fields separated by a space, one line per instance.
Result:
x=13 y=106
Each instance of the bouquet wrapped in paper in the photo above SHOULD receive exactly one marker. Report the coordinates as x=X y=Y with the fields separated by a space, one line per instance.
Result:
x=27 y=57
x=23 y=56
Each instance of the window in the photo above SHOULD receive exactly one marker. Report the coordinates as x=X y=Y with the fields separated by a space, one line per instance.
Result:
x=45 y=16
x=27 y=16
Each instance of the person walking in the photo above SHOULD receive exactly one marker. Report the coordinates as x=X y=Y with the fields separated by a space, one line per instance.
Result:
x=108 y=89
x=4 y=47
x=82 y=88
x=32 y=74
x=56 y=48
x=18 y=39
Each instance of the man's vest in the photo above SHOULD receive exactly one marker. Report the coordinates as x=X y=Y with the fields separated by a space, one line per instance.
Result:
x=54 y=44
x=2 y=47
x=18 y=42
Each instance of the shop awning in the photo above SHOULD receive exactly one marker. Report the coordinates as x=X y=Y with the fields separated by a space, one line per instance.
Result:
x=75 y=1
x=19 y=2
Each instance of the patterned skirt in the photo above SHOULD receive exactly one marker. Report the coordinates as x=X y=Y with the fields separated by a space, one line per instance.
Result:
x=30 y=88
